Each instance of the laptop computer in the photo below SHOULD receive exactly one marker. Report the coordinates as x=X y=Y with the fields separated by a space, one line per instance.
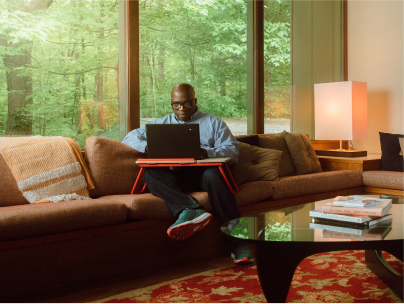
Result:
x=173 y=141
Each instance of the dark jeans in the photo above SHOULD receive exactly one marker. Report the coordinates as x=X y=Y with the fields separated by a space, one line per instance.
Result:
x=170 y=185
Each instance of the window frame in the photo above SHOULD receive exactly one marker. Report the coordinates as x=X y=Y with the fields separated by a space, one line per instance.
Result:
x=256 y=109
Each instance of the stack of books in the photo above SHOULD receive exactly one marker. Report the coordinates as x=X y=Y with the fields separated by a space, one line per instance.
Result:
x=354 y=217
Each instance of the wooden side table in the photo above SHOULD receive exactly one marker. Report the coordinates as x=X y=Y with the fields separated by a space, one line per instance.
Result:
x=367 y=163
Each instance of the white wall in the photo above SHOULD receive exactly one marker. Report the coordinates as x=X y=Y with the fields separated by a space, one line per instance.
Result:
x=375 y=56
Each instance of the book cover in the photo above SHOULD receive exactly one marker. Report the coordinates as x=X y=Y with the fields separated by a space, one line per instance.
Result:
x=356 y=201
x=379 y=210
x=355 y=218
x=384 y=220
x=356 y=231
x=374 y=234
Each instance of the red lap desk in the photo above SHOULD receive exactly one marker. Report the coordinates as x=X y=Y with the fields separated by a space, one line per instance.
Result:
x=221 y=163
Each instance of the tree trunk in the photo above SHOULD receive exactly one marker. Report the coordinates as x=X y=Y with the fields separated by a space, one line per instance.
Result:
x=101 y=124
x=98 y=91
x=223 y=87
x=161 y=61
x=192 y=62
x=19 y=84
x=99 y=81
x=268 y=100
x=192 y=68
x=19 y=87
x=153 y=82
x=77 y=95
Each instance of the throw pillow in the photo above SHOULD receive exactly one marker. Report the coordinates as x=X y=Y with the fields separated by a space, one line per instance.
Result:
x=303 y=156
x=256 y=164
x=391 y=158
x=112 y=165
x=249 y=139
x=401 y=140
x=277 y=142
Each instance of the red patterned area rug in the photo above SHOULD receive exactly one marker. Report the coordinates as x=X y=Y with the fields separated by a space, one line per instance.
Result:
x=332 y=277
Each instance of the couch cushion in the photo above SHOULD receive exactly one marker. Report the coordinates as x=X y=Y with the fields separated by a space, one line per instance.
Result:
x=255 y=164
x=314 y=183
x=253 y=192
x=391 y=158
x=112 y=165
x=303 y=156
x=277 y=142
x=10 y=195
x=17 y=222
x=146 y=206
x=384 y=179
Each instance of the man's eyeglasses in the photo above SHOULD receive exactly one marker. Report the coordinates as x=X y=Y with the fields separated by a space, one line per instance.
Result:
x=187 y=104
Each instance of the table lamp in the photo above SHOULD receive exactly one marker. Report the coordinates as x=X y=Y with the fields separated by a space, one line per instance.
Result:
x=340 y=113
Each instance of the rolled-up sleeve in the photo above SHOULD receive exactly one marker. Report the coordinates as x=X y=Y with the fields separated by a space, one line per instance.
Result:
x=225 y=145
x=136 y=139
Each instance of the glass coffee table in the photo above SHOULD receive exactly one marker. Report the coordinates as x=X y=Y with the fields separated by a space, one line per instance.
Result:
x=283 y=238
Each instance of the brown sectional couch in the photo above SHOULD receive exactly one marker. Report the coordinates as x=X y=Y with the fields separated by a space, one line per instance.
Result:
x=52 y=245
x=384 y=180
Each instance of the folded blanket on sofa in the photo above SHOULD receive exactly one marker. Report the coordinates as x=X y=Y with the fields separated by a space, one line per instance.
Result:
x=47 y=169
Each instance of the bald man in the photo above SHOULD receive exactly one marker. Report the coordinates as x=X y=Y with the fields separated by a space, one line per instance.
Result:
x=171 y=185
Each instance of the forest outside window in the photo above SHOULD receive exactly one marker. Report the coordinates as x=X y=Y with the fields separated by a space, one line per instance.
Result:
x=59 y=68
x=277 y=51
x=64 y=69
x=203 y=43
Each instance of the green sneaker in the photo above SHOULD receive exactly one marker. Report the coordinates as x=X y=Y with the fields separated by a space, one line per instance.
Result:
x=189 y=222
x=242 y=255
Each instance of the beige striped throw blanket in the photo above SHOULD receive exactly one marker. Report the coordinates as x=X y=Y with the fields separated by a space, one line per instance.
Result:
x=47 y=169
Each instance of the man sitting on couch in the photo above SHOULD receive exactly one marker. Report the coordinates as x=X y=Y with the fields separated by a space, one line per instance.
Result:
x=170 y=185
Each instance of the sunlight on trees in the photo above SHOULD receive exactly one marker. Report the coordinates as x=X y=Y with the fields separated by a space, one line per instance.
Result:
x=204 y=42
x=59 y=62
x=198 y=42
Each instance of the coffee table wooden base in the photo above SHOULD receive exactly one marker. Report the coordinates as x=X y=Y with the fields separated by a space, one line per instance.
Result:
x=375 y=261
x=277 y=262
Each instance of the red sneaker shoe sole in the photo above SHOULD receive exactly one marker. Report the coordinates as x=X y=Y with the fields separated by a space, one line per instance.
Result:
x=245 y=260
x=187 y=229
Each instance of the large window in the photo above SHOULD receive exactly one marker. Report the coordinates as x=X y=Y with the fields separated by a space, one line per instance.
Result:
x=59 y=68
x=277 y=52
x=64 y=68
x=203 y=43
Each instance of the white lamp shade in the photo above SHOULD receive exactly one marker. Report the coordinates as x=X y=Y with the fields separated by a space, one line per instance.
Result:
x=340 y=110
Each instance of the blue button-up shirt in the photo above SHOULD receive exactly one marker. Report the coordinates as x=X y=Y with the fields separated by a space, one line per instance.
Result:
x=215 y=135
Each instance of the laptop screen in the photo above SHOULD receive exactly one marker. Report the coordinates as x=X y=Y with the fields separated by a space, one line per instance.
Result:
x=173 y=141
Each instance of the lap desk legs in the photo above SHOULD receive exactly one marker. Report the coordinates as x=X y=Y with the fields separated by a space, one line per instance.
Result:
x=220 y=163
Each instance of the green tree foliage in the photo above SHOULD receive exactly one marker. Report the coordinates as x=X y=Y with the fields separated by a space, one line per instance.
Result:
x=73 y=68
x=204 y=42
x=199 y=42
x=277 y=58
x=277 y=227
x=63 y=57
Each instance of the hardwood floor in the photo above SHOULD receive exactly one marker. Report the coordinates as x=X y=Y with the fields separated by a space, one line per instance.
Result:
x=102 y=288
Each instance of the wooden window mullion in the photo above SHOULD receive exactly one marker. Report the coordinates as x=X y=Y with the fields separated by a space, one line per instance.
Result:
x=259 y=67
x=132 y=46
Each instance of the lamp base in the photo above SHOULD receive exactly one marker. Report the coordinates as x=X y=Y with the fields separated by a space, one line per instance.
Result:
x=342 y=153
